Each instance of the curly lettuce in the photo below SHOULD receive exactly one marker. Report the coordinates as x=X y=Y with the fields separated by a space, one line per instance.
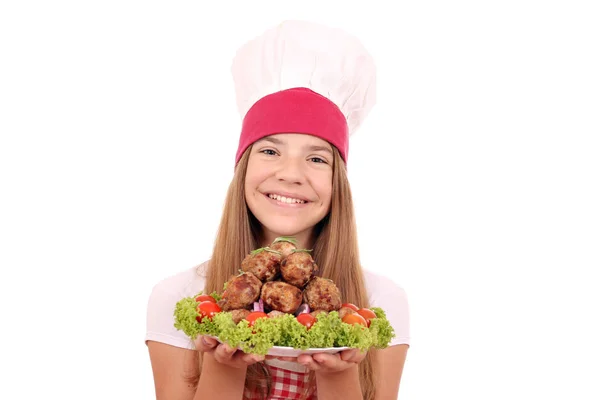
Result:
x=285 y=330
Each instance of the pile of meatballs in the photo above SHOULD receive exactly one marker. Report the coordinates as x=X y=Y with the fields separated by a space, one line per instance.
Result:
x=281 y=279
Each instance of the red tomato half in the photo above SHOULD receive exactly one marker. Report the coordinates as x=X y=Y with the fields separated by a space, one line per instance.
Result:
x=350 y=305
x=367 y=314
x=254 y=315
x=205 y=297
x=207 y=309
x=306 y=319
x=354 y=319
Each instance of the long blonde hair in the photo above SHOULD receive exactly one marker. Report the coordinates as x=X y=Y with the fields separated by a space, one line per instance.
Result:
x=335 y=251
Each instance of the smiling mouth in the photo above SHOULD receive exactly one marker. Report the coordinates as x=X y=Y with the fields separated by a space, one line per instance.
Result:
x=287 y=200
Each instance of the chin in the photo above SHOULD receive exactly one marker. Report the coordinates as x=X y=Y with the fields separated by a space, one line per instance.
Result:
x=286 y=228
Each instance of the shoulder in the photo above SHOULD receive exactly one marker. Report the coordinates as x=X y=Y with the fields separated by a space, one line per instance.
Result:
x=161 y=304
x=391 y=297
x=378 y=284
x=184 y=283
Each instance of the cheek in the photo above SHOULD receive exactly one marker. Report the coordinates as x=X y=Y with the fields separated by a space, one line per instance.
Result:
x=324 y=189
x=250 y=186
x=254 y=178
x=250 y=177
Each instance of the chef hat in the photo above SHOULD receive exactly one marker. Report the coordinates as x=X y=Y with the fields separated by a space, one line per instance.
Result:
x=302 y=77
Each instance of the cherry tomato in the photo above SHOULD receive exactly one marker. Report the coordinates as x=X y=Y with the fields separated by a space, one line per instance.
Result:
x=354 y=319
x=306 y=319
x=367 y=315
x=254 y=315
x=350 y=305
x=205 y=297
x=207 y=309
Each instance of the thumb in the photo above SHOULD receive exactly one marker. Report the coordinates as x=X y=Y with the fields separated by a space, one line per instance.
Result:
x=205 y=343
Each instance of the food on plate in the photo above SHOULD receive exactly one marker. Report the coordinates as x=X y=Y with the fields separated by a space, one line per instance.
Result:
x=281 y=296
x=317 y=312
x=354 y=319
x=275 y=314
x=351 y=306
x=242 y=290
x=298 y=267
x=343 y=311
x=284 y=245
x=240 y=314
x=263 y=263
x=204 y=297
x=322 y=294
x=254 y=315
x=367 y=314
x=207 y=309
x=307 y=320
x=278 y=301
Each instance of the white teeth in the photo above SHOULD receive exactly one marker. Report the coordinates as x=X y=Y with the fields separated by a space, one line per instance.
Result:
x=287 y=200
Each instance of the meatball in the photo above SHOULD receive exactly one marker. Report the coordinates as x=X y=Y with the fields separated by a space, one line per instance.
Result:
x=242 y=290
x=322 y=294
x=317 y=312
x=275 y=314
x=297 y=268
x=283 y=246
x=281 y=296
x=263 y=263
x=239 y=314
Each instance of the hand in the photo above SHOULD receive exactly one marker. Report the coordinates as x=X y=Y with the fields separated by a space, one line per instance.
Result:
x=224 y=353
x=326 y=363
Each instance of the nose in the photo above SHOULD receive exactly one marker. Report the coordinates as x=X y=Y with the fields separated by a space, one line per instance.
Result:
x=290 y=170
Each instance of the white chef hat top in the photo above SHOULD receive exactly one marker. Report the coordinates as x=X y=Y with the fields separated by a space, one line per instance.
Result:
x=301 y=54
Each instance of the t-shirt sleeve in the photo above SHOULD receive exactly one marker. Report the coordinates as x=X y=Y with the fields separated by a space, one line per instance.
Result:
x=160 y=320
x=392 y=298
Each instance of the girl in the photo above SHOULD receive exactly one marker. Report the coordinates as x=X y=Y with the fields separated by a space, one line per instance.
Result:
x=302 y=89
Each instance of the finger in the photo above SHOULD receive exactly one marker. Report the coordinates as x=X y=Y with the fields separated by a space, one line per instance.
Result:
x=251 y=358
x=224 y=353
x=205 y=343
x=282 y=358
x=358 y=357
x=308 y=362
x=240 y=359
x=329 y=361
x=349 y=355
x=304 y=358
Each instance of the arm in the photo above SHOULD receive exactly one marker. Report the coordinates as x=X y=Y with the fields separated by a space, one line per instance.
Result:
x=337 y=374
x=389 y=367
x=175 y=371
x=176 y=364
x=339 y=385
x=220 y=381
x=344 y=383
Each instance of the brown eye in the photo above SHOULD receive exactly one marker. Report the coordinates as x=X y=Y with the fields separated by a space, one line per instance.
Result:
x=269 y=152
x=318 y=160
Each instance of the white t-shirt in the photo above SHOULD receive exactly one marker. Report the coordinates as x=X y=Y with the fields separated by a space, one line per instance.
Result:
x=382 y=292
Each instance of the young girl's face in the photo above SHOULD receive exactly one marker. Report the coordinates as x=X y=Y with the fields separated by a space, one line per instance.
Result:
x=288 y=184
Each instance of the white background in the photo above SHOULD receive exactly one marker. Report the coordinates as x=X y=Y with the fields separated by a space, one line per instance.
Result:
x=476 y=182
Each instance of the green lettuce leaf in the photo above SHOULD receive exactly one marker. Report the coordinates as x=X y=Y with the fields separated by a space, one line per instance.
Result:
x=285 y=330
x=382 y=329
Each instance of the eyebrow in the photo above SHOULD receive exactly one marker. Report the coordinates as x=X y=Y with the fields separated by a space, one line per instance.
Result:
x=270 y=139
x=321 y=148
x=311 y=148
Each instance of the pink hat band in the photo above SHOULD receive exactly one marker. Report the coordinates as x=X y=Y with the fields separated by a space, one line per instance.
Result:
x=296 y=110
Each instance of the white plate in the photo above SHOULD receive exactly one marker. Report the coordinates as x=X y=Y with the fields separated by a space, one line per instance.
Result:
x=282 y=351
